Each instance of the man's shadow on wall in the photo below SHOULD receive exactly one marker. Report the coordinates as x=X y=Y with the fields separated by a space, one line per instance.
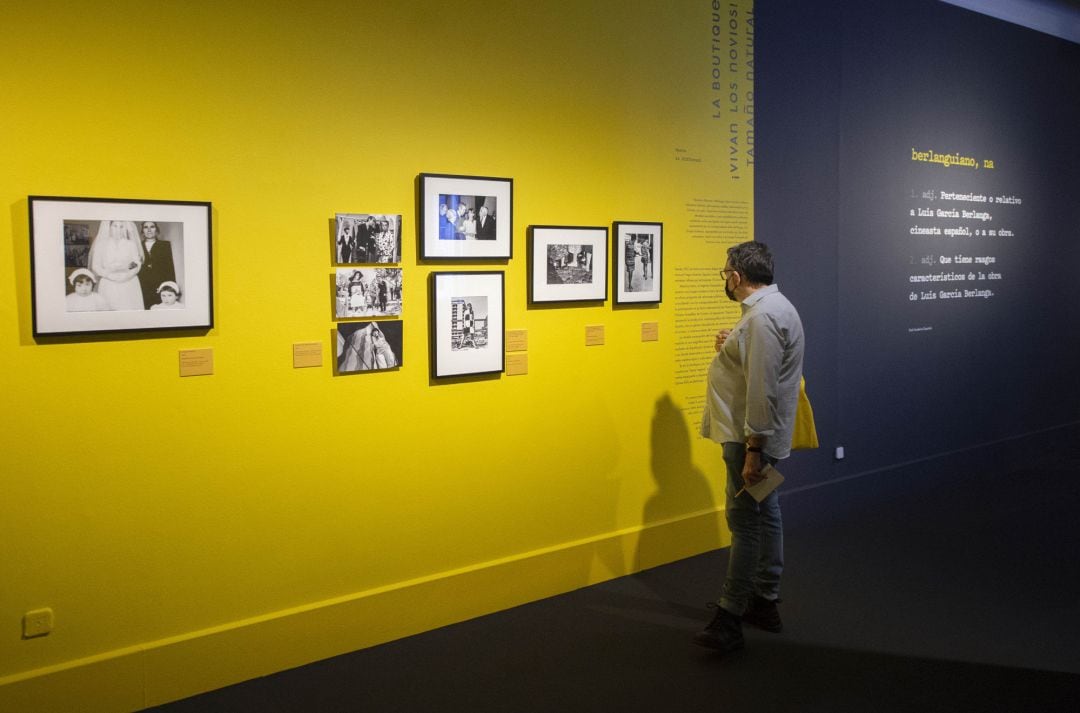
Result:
x=681 y=490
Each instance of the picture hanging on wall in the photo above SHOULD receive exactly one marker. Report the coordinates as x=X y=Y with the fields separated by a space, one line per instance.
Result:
x=367 y=238
x=467 y=323
x=567 y=264
x=465 y=217
x=367 y=292
x=638 y=262
x=369 y=346
x=115 y=265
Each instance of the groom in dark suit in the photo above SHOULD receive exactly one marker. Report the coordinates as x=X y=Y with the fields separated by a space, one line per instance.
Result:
x=485 y=225
x=159 y=265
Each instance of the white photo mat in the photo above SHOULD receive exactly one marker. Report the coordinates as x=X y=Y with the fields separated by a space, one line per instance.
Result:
x=448 y=287
x=47 y=218
x=543 y=238
x=433 y=189
x=640 y=290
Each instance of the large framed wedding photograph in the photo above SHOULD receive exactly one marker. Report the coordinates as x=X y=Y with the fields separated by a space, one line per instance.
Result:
x=466 y=217
x=117 y=265
x=638 y=262
x=567 y=263
x=467 y=323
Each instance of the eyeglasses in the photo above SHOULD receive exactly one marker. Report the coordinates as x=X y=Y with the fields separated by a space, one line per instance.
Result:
x=727 y=273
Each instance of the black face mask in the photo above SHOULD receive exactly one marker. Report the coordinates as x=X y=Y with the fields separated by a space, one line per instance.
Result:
x=729 y=292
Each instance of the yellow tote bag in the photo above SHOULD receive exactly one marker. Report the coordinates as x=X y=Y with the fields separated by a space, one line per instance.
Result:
x=805 y=435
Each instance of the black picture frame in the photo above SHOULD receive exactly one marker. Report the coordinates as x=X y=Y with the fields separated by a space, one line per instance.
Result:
x=451 y=238
x=638 y=275
x=468 y=323
x=568 y=263
x=92 y=271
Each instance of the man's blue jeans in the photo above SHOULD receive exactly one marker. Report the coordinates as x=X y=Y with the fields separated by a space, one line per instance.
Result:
x=756 y=558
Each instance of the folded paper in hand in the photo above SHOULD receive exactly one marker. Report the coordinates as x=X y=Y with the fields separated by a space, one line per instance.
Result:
x=765 y=486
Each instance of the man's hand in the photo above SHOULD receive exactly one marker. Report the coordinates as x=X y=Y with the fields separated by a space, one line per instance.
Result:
x=751 y=472
x=721 y=337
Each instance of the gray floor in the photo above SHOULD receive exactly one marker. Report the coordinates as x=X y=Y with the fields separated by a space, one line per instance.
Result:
x=903 y=592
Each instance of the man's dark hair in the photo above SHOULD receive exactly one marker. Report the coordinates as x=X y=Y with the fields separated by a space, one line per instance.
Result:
x=753 y=261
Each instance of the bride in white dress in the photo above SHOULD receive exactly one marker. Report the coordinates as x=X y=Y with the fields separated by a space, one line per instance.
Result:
x=116 y=256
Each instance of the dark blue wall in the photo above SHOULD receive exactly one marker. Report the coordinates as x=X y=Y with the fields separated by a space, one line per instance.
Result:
x=844 y=91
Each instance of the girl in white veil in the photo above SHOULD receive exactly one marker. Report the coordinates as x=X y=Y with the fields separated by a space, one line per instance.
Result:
x=116 y=256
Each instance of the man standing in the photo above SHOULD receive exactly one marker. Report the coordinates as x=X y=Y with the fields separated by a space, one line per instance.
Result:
x=750 y=406
x=485 y=225
x=364 y=240
x=159 y=266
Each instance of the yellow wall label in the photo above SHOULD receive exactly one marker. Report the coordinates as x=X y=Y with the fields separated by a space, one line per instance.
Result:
x=517 y=364
x=650 y=331
x=594 y=335
x=196 y=362
x=305 y=354
x=517 y=340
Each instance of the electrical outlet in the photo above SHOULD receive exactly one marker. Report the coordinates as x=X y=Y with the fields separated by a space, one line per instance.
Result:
x=38 y=622
x=839 y=453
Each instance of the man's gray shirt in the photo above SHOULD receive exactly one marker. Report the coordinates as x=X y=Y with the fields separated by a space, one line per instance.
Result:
x=754 y=379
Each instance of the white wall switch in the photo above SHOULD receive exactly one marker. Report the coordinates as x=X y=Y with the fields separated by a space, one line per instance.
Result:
x=38 y=622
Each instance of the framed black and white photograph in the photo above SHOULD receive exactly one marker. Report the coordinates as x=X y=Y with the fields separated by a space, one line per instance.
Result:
x=367 y=292
x=467 y=323
x=367 y=238
x=638 y=261
x=114 y=265
x=567 y=263
x=465 y=217
x=369 y=346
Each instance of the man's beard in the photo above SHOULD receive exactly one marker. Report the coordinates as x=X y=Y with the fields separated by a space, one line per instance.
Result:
x=730 y=293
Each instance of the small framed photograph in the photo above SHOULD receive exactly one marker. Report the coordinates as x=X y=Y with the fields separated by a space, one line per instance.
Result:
x=367 y=238
x=567 y=264
x=369 y=346
x=466 y=217
x=115 y=265
x=638 y=262
x=467 y=323
x=367 y=292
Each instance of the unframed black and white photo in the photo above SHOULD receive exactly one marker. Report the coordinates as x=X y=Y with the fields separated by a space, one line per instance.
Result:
x=369 y=346
x=367 y=238
x=367 y=292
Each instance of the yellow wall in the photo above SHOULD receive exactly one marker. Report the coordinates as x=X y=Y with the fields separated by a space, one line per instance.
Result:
x=192 y=532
